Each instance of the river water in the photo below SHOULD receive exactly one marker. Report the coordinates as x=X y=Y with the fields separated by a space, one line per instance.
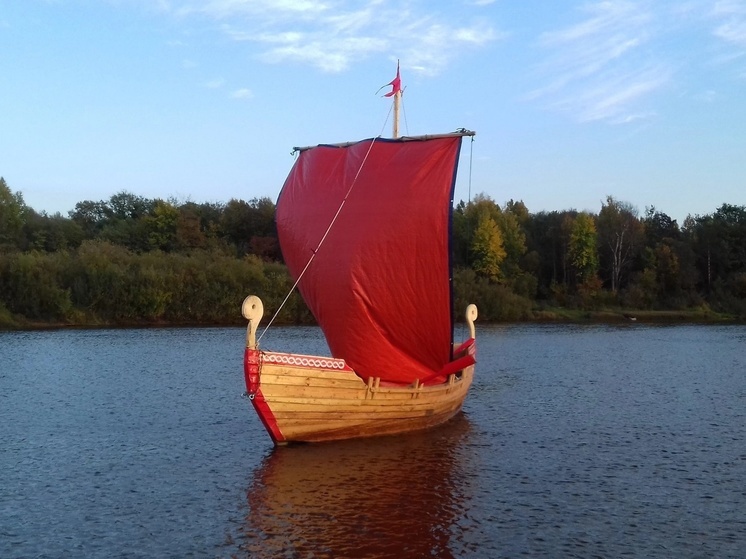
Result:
x=575 y=441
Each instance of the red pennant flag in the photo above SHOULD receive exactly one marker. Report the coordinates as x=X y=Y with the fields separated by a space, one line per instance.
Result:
x=395 y=84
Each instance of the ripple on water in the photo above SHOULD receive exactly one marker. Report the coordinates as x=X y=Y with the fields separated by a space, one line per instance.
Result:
x=590 y=441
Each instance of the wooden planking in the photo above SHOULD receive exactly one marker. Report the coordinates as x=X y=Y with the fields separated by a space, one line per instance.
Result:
x=337 y=430
x=320 y=395
x=314 y=405
x=341 y=374
x=283 y=400
x=291 y=413
x=375 y=421
x=280 y=401
x=280 y=376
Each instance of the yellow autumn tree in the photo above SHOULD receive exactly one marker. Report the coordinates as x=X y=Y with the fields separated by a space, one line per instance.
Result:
x=487 y=249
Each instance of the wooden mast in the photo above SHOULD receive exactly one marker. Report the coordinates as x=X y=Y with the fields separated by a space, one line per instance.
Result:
x=397 y=104
x=396 y=92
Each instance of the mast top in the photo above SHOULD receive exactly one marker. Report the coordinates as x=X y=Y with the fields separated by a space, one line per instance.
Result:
x=395 y=92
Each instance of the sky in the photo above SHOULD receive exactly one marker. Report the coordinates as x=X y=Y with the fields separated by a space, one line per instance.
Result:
x=203 y=101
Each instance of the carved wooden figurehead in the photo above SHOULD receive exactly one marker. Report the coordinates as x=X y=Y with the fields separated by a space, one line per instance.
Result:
x=252 y=310
x=471 y=316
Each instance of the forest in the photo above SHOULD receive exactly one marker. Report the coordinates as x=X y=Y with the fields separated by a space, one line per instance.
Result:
x=130 y=260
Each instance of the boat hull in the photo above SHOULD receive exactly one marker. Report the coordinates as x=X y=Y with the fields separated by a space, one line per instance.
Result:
x=301 y=398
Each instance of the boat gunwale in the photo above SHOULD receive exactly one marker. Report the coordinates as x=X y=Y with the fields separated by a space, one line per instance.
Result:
x=298 y=370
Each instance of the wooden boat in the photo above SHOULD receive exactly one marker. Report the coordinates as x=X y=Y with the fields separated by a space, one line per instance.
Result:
x=364 y=228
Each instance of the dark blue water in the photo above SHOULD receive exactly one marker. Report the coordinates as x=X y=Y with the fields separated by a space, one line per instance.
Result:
x=575 y=442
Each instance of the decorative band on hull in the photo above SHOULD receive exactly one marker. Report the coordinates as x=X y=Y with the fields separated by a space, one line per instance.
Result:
x=309 y=361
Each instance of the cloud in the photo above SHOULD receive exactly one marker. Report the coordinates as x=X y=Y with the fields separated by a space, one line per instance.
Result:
x=242 y=94
x=732 y=32
x=728 y=26
x=332 y=35
x=254 y=8
x=433 y=44
x=217 y=83
x=600 y=68
x=614 y=100
x=732 y=22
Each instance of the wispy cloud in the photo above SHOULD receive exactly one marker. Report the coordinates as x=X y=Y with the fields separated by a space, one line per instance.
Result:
x=242 y=94
x=600 y=69
x=255 y=8
x=332 y=35
x=728 y=18
x=731 y=27
x=217 y=83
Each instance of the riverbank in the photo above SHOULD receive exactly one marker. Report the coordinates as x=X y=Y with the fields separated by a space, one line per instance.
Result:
x=545 y=315
x=695 y=316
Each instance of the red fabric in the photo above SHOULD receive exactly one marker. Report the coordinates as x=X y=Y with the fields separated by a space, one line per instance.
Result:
x=395 y=83
x=467 y=345
x=453 y=367
x=379 y=285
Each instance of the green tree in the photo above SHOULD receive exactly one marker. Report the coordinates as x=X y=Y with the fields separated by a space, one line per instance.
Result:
x=548 y=242
x=125 y=205
x=466 y=218
x=583 y=250
x=719 y=243
x=248 y=225
x=189 y=234
x=50 y=233
x=91 y=216
x=620 y=238
x=519 y=210
x=160 y=226
x=31 y=285
x=462 y=233
x=488 y=249
x=514 y=243
x=659 y=226
x=12 y=216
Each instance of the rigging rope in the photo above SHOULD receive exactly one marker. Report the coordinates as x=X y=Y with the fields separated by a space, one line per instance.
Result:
x=471 y=158
x=339 y=210
x=326 y=233
x=404 y=111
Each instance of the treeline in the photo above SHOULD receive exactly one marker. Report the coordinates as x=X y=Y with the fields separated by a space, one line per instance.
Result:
x=132 y=260
x=616 y=259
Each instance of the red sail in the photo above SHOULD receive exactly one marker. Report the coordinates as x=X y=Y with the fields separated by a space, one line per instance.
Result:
x=379 y=285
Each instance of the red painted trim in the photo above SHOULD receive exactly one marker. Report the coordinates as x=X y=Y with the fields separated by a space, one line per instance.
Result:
x=466 y=353
x=468 y=344
x=267 y=417
x=251 y=370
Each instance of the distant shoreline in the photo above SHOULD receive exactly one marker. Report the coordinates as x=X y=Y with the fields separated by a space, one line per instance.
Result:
x=543 y=316
x=694 y=316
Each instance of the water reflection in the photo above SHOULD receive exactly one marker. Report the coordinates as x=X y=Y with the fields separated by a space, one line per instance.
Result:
x=387 y=497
